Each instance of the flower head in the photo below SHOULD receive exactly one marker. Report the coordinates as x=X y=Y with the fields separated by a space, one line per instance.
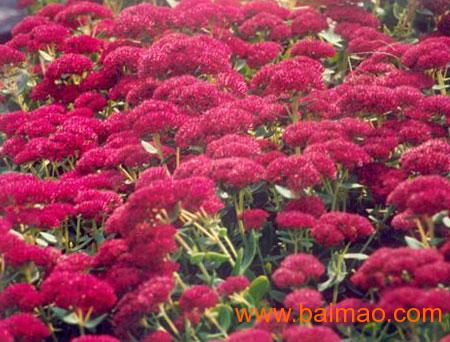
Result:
x=297 y=269
x=254 y=218
x=335 y=227
x=232 y=285
x=309 y=334
x=199 y=297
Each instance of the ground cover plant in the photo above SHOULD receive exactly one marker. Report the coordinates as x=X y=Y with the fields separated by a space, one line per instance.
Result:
x=164 y=165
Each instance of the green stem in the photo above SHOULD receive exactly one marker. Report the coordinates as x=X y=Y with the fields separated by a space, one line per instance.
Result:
x=261 y=259
x=238 y=206
x=339 y=261
x=441 y=82
x=78 y=228
x=294 y=111
x=168 y=320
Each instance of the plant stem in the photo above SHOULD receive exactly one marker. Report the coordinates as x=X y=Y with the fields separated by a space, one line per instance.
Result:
x=168 y=320
x=294 y=111
x=423 y=235
x=441 y=82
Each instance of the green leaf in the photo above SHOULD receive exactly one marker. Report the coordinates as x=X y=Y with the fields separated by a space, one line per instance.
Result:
x=48 y=237
x=41 y=242
x=196 y=257
x=225 y=316
x=92 y=323
x=340 y=276
x=336 y=271
x=172 y=3
x=21 y=82
x=241 y=64
x=149 y=147
x=45 y=56
x=439 y=87
x=216 y=257
x=326 y=284
x=99 y=237
x=84 y=243
x=397 y=10
x=331 y=37
x=71 y=319
x=446 y=221
x=349 y=186
x=356 y=256
x=285 y=192
x=59 y=312
x=259 y=287
x=413 y=243
x=277 y=295
x=237 y=265
x=222 y=232
x=249 y=253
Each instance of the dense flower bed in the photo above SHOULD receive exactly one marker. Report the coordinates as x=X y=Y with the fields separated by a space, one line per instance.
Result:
x=163 y=166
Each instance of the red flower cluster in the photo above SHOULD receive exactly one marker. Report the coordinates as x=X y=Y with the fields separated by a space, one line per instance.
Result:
x=297 y=269
x=388 y=267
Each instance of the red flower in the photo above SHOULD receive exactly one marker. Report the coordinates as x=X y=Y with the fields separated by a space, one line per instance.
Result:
x=142 y=21
x=237 y=172
x=199 y=296
x=343 y=312
x=25 y=327
x=296 y=269
x=144 y=300
x=306 y=21
x=178 y=54
x=27 y=24
x=307 y=298
x=424 y=195
x=21 y=295
x=250 y=335
x=82 y=44
x=92 y=100
x=259 y=54
x=432 y=157
x=95 y=338
x=371 y=99
x=77 y=13
x=9 y=55
x=309 y=334
x=80 y=291
x=393 y=267
x=254 y=218
x=158 y=336
x=50 y=10
x=68 y=64
x=313 y=48
x=293 y=219
x=265 y=22
x=312 y=205
x=335 y=227
x=233 y=145
x=43 y=36
x=123 y=58
x=353 y=14
x=264 y=6
x=432 y=53
x=300 y=172
x=232 y=285
x=300 y=74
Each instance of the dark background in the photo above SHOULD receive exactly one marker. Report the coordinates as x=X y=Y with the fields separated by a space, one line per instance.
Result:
x=9 y=16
